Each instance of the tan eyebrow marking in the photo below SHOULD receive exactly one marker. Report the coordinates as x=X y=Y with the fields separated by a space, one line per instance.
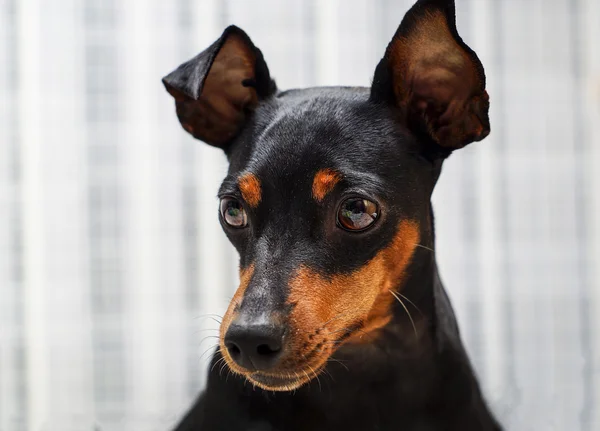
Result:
x=324 y=182
x=250 y=187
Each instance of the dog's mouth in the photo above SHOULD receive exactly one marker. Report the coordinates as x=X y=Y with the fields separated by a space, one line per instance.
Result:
x=292 y=376
x=304 y=359
x=282 y=382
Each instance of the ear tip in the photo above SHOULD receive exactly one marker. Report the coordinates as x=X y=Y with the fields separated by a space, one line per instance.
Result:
x=175 y=88
x=485 y=133
x=170 y=85
x=170 y=79
x=233 y=29
x=166 y=81
x=447 y=7
x=186 y=81
x=442 y=4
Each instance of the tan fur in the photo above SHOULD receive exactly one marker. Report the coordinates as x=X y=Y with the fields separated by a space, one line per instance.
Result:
x=220 y=110
x=250 y=188
x=362 y=297
x=430 y=67
x=323 y=307
x=324 y=182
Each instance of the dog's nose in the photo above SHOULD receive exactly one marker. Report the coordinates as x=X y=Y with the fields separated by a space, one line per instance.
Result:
x=255 y=345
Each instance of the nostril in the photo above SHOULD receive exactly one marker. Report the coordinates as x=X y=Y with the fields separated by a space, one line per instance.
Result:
x=266 y=350
x=255 y=346
x=233 y=350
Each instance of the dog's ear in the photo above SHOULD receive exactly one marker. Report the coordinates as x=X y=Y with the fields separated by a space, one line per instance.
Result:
x=434 y=78
x=218 y=89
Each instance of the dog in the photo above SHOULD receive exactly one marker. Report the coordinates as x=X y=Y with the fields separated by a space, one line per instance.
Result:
x=340 y=321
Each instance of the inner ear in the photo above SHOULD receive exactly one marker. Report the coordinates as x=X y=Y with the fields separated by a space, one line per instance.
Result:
x=217 y=90
x=434 y=78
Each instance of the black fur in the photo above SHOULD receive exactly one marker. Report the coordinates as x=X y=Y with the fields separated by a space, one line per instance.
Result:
x=392 y=382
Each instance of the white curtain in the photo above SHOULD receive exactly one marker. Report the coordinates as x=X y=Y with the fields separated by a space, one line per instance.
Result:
x=111 y=258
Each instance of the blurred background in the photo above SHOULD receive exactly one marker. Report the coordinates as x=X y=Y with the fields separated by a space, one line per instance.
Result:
x=111 y=256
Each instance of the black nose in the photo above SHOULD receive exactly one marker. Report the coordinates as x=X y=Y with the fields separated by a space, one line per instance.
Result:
x=255 y=345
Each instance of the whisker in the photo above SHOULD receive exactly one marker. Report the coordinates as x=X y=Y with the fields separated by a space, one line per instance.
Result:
x=328 y=374
x=425 y=247
x=407 y=312
x=209 y=337
x=307 y=376
x=204 y=330
x=337 y=316
x=317 y=377
x=349 y=329
x=203 y=316
x=216 y=320
x=410 y=302
x=339 y=362
x=207 y=350
x=331 y=343
x=215 y=364
x=221 y=369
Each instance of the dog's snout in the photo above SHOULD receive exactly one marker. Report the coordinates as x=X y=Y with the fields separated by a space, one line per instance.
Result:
x=255 y=346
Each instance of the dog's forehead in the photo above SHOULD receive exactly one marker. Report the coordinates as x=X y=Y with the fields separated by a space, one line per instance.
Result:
x=303 y=132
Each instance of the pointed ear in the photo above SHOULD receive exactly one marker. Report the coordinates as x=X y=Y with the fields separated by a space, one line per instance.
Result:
x=217 y=90
x=434 y=78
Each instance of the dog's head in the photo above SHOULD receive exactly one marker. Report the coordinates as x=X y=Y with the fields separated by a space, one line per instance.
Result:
x=328 y=189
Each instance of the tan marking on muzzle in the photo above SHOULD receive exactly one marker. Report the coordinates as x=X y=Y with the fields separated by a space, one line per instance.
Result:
x=324 y=307
x=360 y=298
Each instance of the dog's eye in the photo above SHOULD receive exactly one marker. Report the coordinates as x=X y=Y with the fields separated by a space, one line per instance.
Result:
x=357 y=214
x=233 y=212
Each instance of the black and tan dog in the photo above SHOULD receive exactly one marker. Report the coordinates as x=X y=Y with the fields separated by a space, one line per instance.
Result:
x=340 y=321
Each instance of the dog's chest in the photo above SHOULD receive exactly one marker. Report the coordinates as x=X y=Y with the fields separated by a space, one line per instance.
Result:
x=385 y=406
